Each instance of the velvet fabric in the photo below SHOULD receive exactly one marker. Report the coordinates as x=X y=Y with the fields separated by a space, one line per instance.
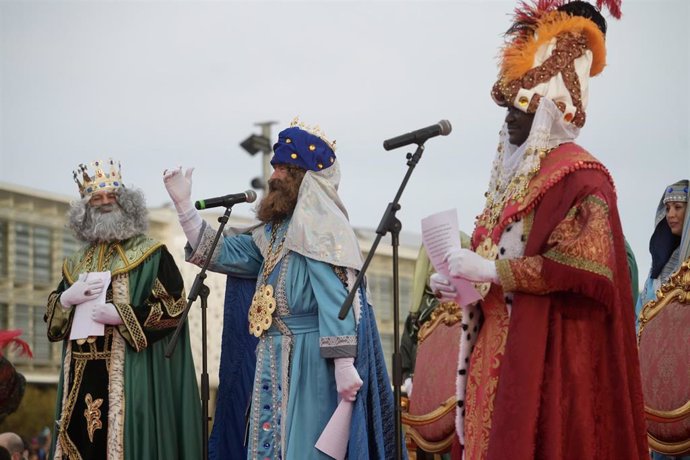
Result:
x=236 y=373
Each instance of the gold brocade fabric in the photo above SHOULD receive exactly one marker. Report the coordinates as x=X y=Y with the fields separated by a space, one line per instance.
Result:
x=482 y=381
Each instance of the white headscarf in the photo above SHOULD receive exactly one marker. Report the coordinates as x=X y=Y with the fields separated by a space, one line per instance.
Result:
x=319 y=227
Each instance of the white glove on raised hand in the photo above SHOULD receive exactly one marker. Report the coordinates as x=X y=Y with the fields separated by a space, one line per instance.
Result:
x=81 y=291
x=179 y=187
x=463 y=263
x=441 y=287
x=106 y=313
x=347 y=380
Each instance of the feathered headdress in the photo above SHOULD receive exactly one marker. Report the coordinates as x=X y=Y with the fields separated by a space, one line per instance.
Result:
x=551 y=50
x=8 y=338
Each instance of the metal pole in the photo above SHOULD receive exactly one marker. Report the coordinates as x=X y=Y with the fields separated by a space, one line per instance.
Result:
x=266 y=154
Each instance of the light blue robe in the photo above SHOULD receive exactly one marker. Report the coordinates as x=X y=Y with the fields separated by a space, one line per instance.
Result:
x=294 y=391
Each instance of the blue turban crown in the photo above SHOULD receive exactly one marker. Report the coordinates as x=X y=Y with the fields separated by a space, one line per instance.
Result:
x=303 y=147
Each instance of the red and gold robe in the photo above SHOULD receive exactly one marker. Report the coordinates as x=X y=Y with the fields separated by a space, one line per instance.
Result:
x=558 y=377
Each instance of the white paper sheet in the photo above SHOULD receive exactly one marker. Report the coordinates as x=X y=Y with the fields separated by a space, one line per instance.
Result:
x=82 y=324
x=439 y=234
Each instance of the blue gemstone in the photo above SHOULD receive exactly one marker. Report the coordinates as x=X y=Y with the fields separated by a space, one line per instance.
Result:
x=267 y=445
x=267 y=407
x=266 y=387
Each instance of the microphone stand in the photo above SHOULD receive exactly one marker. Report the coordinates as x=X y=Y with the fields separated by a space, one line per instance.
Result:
x=390 y=223
x=200 y=289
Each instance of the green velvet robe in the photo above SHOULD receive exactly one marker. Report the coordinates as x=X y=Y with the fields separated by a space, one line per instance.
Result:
x=119 y=397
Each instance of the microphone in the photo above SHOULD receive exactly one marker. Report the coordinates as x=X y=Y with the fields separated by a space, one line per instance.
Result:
x=248 y=196
x=442 y=128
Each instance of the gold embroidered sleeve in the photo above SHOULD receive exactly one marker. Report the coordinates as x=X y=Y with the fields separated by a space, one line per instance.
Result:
x=57 y=318
x=524 y=275
x=165 y=308
x=580 y=245
x=583 y=240
x=131 y=330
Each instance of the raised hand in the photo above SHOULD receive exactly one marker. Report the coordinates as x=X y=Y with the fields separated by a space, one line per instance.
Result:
x=179 y=187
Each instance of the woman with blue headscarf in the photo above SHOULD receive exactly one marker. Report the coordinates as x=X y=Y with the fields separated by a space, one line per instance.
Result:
x=670 y=242
x=669 y=247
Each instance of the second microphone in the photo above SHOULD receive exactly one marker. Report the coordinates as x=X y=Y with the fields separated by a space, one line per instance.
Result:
x=248 y=196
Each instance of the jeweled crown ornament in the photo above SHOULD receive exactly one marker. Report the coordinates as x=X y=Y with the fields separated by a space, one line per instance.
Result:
x=304 y=146
x=106 y=177
x=677 y=192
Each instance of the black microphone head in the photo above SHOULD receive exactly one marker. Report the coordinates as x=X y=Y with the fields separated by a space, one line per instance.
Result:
x=251 y=196
x=446 y=128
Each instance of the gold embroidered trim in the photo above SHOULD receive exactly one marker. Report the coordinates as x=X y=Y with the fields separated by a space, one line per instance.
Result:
x=116 y=399
x=155 y=315
x=598 y=201
x=131 y=254
x=173 y=307
x=91 y=355
x=53 y=299
x=505 y=274
x=92 y=413
x=154 y=321
x=121 y=300
x=586 y=265
x=132 y=325
x=68 y=406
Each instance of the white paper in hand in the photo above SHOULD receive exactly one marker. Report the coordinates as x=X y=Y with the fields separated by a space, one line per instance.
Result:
x=82 y=324
x=439 y=234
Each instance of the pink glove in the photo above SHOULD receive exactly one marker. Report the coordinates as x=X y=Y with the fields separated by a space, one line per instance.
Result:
x=463 y=263
x=106 y=313
x=179 y=187
x=347 y=379
x=441 y=287
x=81 y=291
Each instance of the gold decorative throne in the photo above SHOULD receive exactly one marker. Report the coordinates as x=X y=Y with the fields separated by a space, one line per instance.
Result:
x=429 y=418
x=664 y=345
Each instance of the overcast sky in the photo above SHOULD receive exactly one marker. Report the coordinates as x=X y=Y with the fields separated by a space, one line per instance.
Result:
x=160 y=84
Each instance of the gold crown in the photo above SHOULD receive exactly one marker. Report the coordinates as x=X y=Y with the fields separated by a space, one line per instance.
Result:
x=315 y=130
x=107 y=177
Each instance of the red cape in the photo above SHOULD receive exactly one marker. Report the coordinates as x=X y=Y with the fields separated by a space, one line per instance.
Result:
x=570 y=379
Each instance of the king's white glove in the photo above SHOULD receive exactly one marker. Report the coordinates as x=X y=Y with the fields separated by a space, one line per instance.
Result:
x=81 y=291
x=347 y=380
x=106 y=313
x=179 y=187
x=463 y=263
x=441 y=287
